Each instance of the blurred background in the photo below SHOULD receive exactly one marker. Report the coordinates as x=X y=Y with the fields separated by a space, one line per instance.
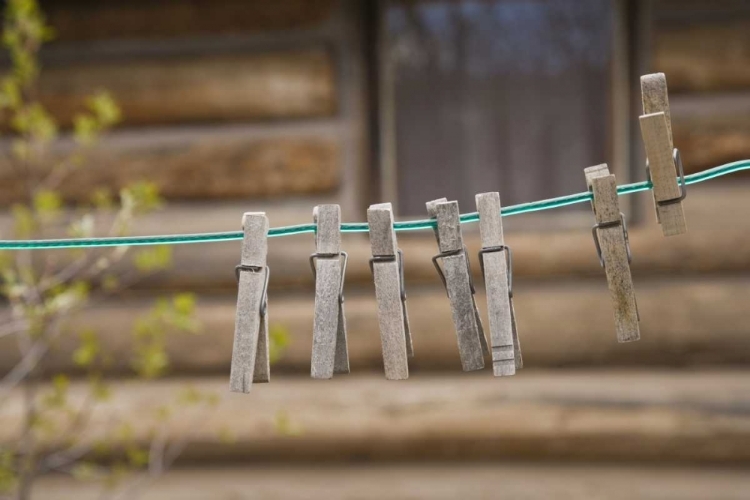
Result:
x=231 y=106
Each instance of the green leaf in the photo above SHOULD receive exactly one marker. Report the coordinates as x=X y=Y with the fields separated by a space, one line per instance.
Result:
x=47 y=204
x=102 y=198
x=137 y=457
x=184 y=303
x=278 y=340
x=153 y=259
x=141 y=197
x=88 y=350
x=104 y=108
x=85 y=129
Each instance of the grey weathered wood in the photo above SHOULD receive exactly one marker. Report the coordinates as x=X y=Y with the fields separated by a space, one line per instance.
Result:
x=456 y=239
x=501 y=318
x=250 y=360
x=392 y=316
x=458 y=284
x=329 y=346
x=614 y=251
x=656 y=129
x=388 y=246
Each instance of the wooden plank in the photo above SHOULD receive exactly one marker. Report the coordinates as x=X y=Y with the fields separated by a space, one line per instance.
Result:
x=216 y=162
x=703 y=57
x=418 y=481
x=711 y=130
x=209 y=88
x=650 y=416
x=695 y=321
x=88 y=20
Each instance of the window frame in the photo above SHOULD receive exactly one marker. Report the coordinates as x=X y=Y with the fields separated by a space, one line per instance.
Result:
x=627 y=40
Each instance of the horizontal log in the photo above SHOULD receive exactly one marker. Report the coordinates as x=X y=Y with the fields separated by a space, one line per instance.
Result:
x=711 y=130
x=429 y=481
x=703 y=57
x=208 y=88
x=86 y=20
x=217 y=162
x=690 y=416
x=683 y=322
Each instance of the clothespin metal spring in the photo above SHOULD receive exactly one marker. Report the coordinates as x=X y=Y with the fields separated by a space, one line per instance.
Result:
x=613 y=223
x=391 y=258
x=448 y=254
x=682 y=185
x=508 y=260
x=256 y=269
x=344 y=259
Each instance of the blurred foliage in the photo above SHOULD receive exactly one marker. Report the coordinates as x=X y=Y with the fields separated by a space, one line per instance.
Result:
x=43 y=290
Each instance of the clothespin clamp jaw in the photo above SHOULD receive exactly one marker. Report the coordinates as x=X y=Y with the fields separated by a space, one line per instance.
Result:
x=457 y=279
x=508 y=262
x=442 y=255
x=387 y=267
x=399 y=257
x=677 y=159
x=256 y=269
x=344 y=258
x=328 y=264
x=663 y=164
x=601 y=225
x=612 y=243
x=250 y=351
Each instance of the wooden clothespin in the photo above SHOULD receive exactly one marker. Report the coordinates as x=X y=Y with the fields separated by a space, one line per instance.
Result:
x=250 y=361
x=456 y=277
x=495 y=259
x=611 y=239
x=387 y=266
x=329 y=349
x=663 y=163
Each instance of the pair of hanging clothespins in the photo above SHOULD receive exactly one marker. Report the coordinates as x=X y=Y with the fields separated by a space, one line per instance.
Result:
x=664 y=162
x=250 y=359
x=663 y=165
x=457 y=279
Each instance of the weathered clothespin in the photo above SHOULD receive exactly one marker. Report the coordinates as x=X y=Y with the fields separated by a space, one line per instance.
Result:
x=611 y=239
x=495 y=259
x=329 y=349
x=456 y=277
x=663 y=159
x=250 y=361
x=387 y=266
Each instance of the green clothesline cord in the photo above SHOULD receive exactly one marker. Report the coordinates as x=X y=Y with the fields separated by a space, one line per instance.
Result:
x=352 y=227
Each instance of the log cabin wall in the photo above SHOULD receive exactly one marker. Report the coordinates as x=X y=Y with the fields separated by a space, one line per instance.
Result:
x=234 y=106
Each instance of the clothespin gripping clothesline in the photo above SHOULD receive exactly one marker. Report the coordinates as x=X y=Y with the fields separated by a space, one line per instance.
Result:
x=354 y=227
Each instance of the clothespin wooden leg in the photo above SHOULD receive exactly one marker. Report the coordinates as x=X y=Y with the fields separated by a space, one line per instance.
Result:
x=329 y=350
x=457 y=280
x=664 y=162
x=387 y=269
x=250 y=362
x=432 y=212
x=495 y=260
x=611 y=239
